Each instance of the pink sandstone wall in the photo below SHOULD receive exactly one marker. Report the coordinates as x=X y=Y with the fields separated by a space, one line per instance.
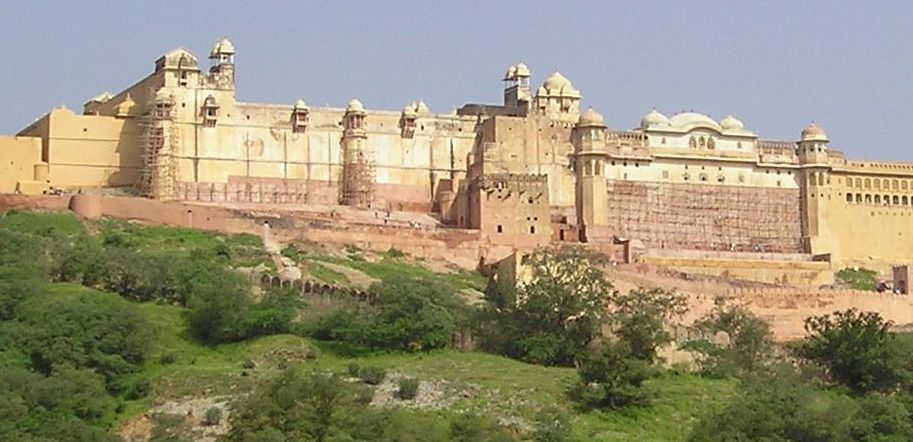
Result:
x=785 y=309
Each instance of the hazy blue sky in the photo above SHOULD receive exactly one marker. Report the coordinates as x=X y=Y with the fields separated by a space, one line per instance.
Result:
x=775 y=65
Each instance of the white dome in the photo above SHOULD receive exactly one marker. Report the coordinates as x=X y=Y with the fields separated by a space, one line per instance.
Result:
x=222 y=47
x=690 y=120
x=591 y=118
x=409 y=109
x=522 y=70
x=813 y=133
x=654 y=118
x=355 y=106
x=511 y=73
x=556 y=83
x=422 y=109
x=300 y=104
x=731 y=123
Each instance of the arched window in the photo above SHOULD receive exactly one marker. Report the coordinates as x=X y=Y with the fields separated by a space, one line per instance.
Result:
x=906 y=201
x=868 y=183
x=887 y=184
x=858 y=198
x=858 y=183
x=895 y=185
x=849 y=197
x=896 y=200
x=877 y=199
x=877 y=184
x=886 y=200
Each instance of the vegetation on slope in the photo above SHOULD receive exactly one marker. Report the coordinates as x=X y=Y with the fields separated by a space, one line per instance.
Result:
x=100 y=322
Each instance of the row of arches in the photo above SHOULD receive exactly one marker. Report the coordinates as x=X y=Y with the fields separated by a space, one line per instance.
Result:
x=309 y=287
x=879 y=183
x=879 y=200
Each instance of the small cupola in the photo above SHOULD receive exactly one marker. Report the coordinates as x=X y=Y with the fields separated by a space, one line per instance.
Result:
x=300 y=117
x=407 y=121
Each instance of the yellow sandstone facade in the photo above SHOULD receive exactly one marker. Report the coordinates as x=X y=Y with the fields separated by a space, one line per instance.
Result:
x=531 y=170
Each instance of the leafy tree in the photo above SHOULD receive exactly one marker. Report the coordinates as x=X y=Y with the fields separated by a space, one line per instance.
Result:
x=856 y=349
x=219 y=312
x=611 y=376
x=749 y=345
x=551 y=319
x=64 y=406
x=18 y=282
x=641 y=317
x=413 y=315
x=778 y=406
x=273 y=314
x=79 y=259
x=409 y=314
x=98 y=331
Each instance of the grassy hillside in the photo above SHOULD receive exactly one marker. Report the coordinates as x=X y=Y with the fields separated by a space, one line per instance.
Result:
x=178 y=367
x=483 y=383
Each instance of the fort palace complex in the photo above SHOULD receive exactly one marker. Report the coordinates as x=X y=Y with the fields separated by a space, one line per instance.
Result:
x=535 y=169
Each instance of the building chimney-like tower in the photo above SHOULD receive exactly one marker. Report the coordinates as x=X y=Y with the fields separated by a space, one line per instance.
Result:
x=815 y=180
x=222 y=64
x=590 y=158
x=516 y=89
x=357 y=161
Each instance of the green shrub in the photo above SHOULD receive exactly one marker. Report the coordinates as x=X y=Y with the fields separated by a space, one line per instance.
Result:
x=94 y=330
x=168 y=358
x=393 y=252
x=292 y=252
x=857 y=350
x=353 y=369
x=858 y=278
x=364 y=396
x=611 y=377
x=372 y=375
x=750 y=345
x=552 y=425
x=408 y=388
x=218 y=312
x=213 y=416
x=139 y=390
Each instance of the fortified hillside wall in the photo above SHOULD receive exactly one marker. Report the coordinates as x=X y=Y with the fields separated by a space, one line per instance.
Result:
x=786 y=309
x=706 y=217
x=464 y=248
